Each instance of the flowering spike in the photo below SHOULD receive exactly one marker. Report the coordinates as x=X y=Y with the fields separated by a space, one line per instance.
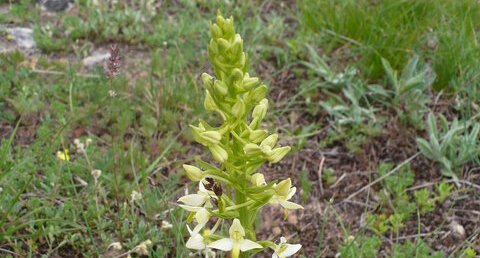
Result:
x=234 y=190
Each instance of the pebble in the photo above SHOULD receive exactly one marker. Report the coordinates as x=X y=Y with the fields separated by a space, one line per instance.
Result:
x=22 y=36
x=96 y=58
x=457 y=229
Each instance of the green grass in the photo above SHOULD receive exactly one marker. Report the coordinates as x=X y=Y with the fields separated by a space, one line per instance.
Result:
x=442 y=32
x=45 y=205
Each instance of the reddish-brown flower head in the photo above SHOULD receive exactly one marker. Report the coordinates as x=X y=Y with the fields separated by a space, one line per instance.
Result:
x=112 y=66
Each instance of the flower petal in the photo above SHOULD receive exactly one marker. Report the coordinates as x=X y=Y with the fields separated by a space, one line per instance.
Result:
x=292 y=191
x=291 y=249
x=197 y=228
x=196 y=242
x=201 y=187
x=290 y=205
x=202 y=216
x=190 y=208
x=236 y=227
x=224 y=244
x=246 y=245
x=193 y=200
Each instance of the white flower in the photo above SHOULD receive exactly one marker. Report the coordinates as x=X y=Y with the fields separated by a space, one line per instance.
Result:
x=198 y=203
x=236 y=242
x=79 y=145
x=96 y=173
x=115 y=246
x=194 y=202
x=142 y=248
x=135 y=196
x=283 y=249
x=284 y=192
x=166 y=224
x=197 y=242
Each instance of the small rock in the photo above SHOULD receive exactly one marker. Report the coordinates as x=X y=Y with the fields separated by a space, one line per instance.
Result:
x=457 y=229
x=55 y=5
x=96 y=58
x=22 y=36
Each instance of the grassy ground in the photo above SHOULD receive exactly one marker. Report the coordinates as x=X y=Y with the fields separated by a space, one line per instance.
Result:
x=379 y=99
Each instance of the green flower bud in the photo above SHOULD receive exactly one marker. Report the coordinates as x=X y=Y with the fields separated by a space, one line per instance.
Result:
x=251 y=149
x=277 y=154
x=195 y=174
x=228 y=28
x=237 y=74
x=209 y=103
x=216 y=31
x=218 y=153
x=220 y=19
x=211 y=137
x=257 y=136
x=207 y=81
x=238 y=85
x=220 y=87
x=196 y=132
x=258 y=179
x=250 y=82
x=223 y=44
x=260 y=110
x=213 y=49
x=237 y=46
x=283 y=188
x=256 y=95
x=270 y=141
x=238 y=110
x=242 y=61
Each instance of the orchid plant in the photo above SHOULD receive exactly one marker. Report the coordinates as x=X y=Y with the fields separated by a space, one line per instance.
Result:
x=231 y=191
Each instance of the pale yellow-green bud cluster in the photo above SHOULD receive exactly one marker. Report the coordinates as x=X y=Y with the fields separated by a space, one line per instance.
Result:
x=233 y=93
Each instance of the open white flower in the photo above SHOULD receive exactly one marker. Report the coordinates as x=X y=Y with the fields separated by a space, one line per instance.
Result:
x=135 y=196
x=236 y=242
x=283 y=249
x=194 y=202
x=284 y=192
x=197 y=242
x=198 y=203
